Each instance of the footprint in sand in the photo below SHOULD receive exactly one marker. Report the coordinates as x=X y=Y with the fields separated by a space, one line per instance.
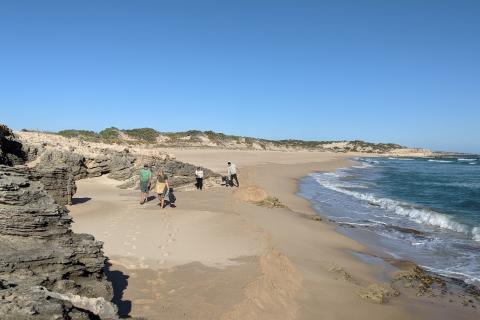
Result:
x=134 y=247
x=166 y=254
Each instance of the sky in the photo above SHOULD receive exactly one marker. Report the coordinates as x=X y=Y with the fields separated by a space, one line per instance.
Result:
x=405 y=71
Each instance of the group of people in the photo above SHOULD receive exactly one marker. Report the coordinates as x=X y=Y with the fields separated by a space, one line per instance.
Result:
x=165 y=192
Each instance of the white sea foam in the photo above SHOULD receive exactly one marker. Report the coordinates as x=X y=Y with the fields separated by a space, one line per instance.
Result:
x=443 y=161
x=401 y=159
x=416 y=214
x=465 y=159
x=468 y=278
x=476 y=233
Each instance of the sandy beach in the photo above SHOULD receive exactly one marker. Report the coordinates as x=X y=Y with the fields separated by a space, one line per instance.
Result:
x=221 y=255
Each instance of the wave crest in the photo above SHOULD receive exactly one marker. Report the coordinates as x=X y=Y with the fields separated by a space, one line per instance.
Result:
x=417 y=214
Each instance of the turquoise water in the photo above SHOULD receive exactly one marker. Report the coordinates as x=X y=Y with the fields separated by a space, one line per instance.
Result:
x=425 y=210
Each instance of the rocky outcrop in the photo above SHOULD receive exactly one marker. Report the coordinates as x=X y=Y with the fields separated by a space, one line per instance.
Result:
x=180 y=174
x=46 y=270
x=122 y=166
x=11 y=152
x=58 y=181
x=72 y=160
x=118 y=164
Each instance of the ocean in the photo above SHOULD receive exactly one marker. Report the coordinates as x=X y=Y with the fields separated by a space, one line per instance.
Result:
x=423 y=210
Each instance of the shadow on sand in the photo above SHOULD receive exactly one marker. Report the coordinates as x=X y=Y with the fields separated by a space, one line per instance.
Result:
x=119 y=282
x=80 y=200
x=150 y=198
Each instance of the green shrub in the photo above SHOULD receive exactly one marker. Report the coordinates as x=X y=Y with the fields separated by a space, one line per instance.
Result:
x=109 y=133
x=146 y=134
x=85 y=134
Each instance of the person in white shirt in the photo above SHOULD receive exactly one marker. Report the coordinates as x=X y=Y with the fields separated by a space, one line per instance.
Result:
x=199 y=176
x=232 y=172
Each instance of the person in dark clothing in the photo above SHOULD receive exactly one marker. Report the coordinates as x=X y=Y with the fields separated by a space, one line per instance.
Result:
x=199 y=177
x=232 y=172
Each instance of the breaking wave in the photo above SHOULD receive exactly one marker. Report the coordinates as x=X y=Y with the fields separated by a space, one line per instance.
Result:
x=443 y=161
x=416 y=214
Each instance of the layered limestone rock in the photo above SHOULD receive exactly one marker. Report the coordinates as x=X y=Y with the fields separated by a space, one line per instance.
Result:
x=122 y=166
x=58 y=181
x=46 y=270
x=118 y=164
x=72 y=160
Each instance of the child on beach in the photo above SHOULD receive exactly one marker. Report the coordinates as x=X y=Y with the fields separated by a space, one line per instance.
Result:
x=161 y=187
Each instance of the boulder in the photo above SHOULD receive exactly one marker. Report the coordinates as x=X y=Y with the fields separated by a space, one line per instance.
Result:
x=59 y=158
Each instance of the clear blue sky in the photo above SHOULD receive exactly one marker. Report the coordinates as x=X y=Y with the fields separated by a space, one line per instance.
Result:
x=405 y=71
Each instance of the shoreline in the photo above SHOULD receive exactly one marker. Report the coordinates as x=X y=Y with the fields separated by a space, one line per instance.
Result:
x=374 y=253
x=372 y=239
x=256 y=262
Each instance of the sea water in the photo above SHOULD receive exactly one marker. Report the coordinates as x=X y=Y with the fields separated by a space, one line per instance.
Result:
x=424 y=210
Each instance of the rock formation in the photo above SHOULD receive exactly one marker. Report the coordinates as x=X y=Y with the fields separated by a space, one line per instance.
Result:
x=11 y=152
x=72 y=160
x=58 y=181
x=119 y=165
x=180 y=174
x=46 y=270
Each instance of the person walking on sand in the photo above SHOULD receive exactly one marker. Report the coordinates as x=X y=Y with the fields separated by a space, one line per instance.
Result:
x=145 y=182
x=161 y=187
x=232 y=173
x=199 y=177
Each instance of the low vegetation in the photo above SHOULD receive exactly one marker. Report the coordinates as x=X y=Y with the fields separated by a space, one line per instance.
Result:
x=84 y=134
x=199 y=138
x=110 y=133
x=146 y=134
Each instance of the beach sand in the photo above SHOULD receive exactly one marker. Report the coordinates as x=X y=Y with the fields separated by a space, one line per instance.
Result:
x=220 y=255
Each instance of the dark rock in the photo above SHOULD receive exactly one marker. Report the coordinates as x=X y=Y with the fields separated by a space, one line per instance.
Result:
x=11 y=152
x=32 y=152
x=122 y=166
x=59 y=182
x=58 y=158
x=46 y=270
x=181 y=173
